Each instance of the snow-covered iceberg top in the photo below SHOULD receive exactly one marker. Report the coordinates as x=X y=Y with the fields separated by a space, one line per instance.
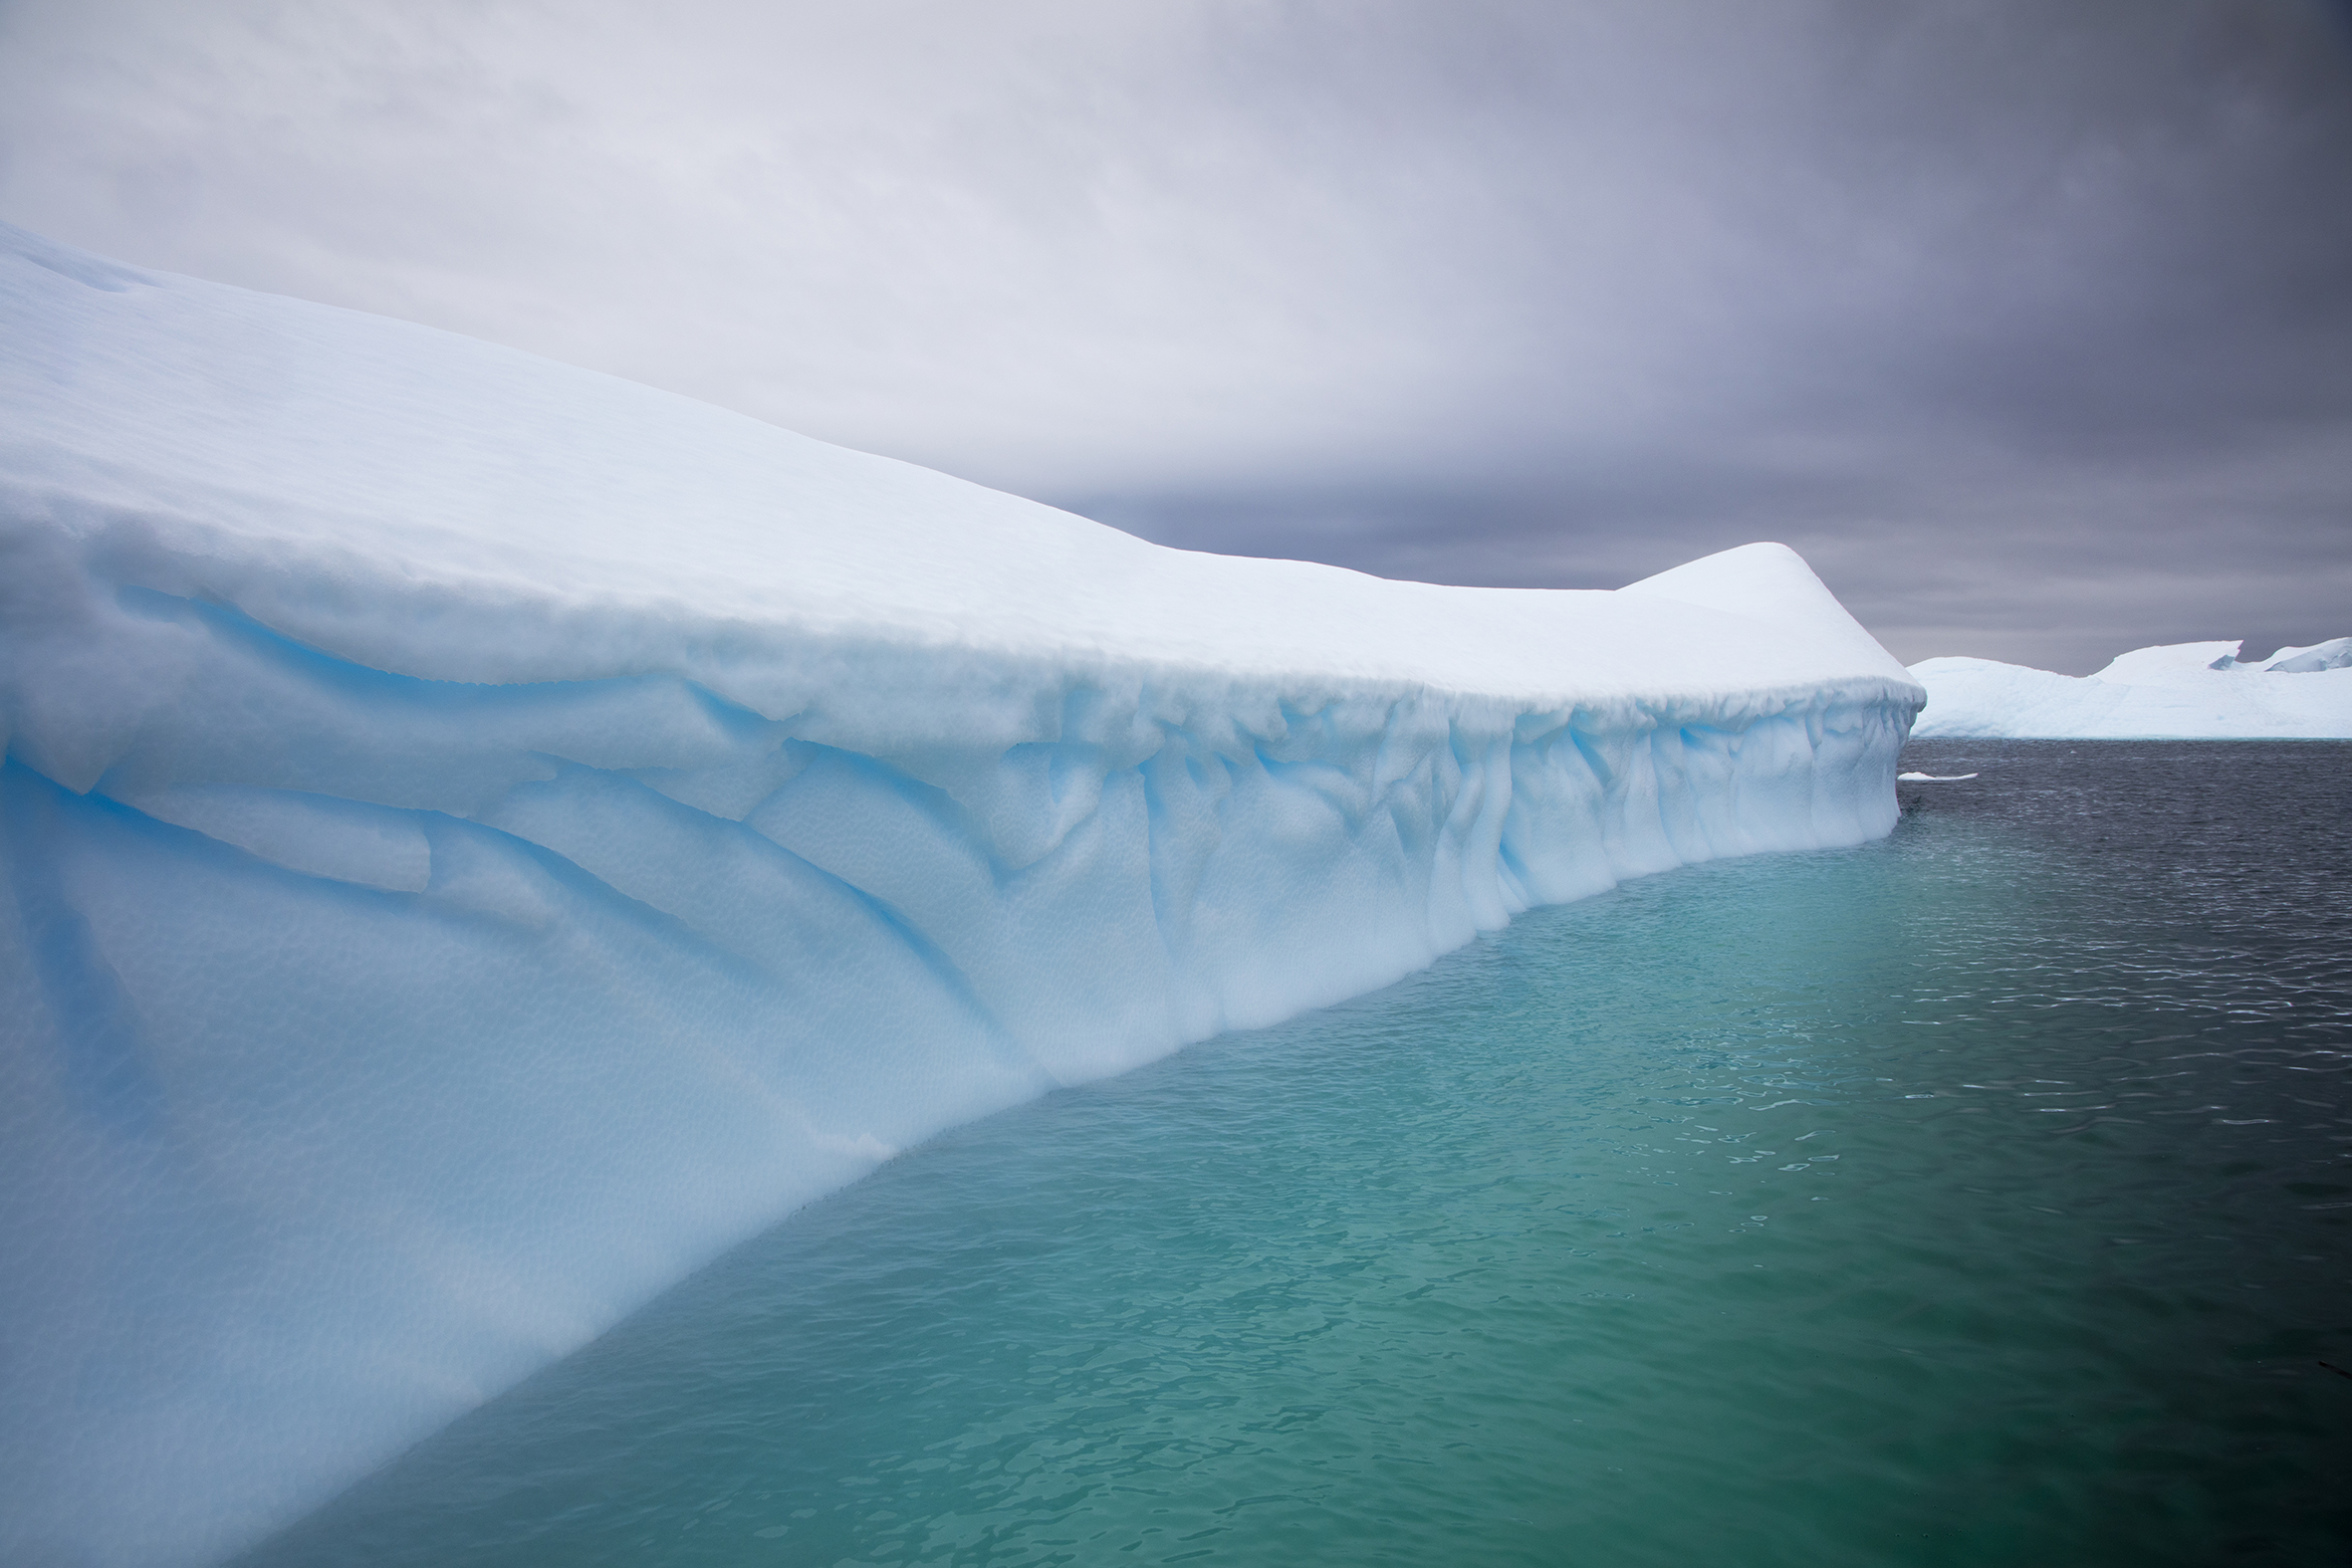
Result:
x=2178 y=691
x=427 y=503
x=486 y=837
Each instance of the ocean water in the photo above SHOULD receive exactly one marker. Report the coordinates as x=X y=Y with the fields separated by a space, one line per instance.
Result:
x=1981 y=1196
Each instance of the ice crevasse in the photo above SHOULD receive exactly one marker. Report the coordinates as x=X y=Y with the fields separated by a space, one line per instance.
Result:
x=482 y=837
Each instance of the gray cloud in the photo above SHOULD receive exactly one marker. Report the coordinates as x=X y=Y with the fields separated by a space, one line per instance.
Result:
x=2029 y=325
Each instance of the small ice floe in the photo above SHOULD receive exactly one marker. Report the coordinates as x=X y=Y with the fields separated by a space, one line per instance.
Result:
x=1932 y=777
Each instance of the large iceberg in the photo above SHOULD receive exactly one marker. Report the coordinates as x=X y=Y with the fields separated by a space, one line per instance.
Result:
x=483 y=837
x=2195 y=691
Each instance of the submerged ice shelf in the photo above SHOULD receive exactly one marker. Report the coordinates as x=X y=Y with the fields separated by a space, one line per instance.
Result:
x=485 y=836
x=2180 y=691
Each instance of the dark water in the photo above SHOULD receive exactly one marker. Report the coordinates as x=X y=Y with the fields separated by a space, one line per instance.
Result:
x=1977 y=1197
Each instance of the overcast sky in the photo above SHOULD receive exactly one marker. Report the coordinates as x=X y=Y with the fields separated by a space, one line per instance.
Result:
x=2029 y=323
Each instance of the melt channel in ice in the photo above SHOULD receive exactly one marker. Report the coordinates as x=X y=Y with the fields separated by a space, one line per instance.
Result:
x=2178 y=691
x=482 y=837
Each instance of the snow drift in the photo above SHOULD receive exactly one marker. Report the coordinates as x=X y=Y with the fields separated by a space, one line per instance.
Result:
x=2181 y=691
x=482 y=837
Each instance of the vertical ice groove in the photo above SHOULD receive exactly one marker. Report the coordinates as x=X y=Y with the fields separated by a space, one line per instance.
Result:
x=103 y=1068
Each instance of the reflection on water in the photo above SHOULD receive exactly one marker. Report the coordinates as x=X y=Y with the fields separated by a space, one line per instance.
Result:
x=1979 y=1195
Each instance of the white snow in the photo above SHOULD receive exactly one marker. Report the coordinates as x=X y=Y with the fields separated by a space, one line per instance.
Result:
x=1933 y=777
x=485 y=837
x=2333 y=654
x=2181 y=691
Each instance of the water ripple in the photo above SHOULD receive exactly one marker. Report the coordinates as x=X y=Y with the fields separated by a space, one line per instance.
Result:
x=1979 y=1197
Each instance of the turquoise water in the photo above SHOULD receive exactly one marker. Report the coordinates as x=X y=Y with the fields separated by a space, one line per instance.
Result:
x=1979 y=1196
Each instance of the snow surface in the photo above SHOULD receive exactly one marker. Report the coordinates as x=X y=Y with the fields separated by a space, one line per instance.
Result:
x=2180 y=691
x=2333 y=654
x=485 y=836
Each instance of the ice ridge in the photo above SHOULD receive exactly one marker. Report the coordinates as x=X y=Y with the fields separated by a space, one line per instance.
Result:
x=483 y=837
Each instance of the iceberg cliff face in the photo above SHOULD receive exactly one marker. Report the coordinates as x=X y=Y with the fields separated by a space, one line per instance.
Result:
x=2193 y=691
x=482 y=837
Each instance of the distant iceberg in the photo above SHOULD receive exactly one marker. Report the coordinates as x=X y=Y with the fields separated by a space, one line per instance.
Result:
x=2180 y=691
x=482 y=837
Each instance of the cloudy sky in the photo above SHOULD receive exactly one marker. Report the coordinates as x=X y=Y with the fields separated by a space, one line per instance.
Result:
x=2029 y=323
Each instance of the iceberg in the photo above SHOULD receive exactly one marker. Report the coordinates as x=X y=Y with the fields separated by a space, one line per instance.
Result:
x=2177 y=691
x=482 y=837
